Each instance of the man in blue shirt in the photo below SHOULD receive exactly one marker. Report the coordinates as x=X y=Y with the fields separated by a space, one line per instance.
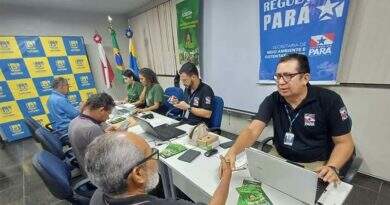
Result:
x=60 y=109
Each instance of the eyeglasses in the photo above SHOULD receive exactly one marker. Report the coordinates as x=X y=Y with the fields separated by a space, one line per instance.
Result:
x=287 y=77
x=155 y=155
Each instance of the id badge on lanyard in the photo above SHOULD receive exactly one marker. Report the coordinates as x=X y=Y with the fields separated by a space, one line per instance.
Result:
x=289 y=135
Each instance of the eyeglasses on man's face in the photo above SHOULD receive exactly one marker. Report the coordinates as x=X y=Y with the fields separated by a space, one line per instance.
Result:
x=155 y=155
x=287 y=77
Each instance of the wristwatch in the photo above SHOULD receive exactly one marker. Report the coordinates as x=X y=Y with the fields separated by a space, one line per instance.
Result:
x=189 y=109
x=337 y=171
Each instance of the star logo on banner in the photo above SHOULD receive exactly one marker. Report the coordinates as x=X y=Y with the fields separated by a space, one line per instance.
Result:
x=329 y=10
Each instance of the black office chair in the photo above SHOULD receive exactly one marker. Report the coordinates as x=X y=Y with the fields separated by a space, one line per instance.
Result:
x=33 y=125
x=53 y=145
x=347 y=173
x=57 y=177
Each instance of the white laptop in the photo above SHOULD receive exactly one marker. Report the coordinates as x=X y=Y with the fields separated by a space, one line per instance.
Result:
x=284 y=176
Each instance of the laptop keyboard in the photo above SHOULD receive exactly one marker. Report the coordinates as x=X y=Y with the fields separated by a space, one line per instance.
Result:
x=321 y=187
x=167 y=132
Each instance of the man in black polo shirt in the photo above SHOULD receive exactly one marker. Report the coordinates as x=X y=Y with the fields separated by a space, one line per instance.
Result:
x=311 y=124
x=199 y=96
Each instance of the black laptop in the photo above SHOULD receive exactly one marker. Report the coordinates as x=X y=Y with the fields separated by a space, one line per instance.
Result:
x=162 y=132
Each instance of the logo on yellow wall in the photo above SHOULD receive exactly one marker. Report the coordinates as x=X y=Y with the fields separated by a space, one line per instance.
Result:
x=84 y=79
x=79 y=64
x=16 y=129
x=38 y=67
x=9 y=111
x=45 y=84
x=9 y=48
x=74 y=44
x=60 y=64
x=15 y=68
x=5 y=44
x=6 y=110
x=53 y=46
x=22 y=88
x=32 y=106
x=31 y=45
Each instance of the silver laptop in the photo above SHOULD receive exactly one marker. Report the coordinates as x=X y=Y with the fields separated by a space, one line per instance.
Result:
x=284 y=176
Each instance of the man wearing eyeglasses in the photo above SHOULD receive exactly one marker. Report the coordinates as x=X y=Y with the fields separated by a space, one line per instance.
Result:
x=124 y=168
x=311 y=124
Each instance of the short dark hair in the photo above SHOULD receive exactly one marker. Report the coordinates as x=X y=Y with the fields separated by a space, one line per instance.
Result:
x=189 y=69
x=128 y=73
x=58 y=81
x=96 y=101
x=149 y=74
x=303 y=61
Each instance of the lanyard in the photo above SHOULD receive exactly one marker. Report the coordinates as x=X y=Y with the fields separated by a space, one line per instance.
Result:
x=191 y=97
x=289 y=118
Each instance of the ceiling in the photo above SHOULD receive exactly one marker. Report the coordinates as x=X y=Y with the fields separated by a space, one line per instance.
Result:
x=95 y=6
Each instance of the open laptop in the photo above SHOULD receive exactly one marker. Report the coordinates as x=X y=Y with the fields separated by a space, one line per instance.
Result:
x=284 y=176
x=162 y=132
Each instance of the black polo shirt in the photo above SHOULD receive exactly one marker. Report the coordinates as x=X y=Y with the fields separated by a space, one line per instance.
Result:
x=321 y=116
x=99 y=198
x=202 y=97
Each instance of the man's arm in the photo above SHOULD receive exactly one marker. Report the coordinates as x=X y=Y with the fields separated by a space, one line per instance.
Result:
x=341 y=153
x=221 y=193
x=247 y=137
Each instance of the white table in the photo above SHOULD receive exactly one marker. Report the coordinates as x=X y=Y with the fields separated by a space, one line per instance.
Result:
x=199 y=179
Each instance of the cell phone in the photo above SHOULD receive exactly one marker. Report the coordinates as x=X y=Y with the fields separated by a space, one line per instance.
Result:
x=148 y=116
x=226 y=145
x=210 y=152
x=189 y=155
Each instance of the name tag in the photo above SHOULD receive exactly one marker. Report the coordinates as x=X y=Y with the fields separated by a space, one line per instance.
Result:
x=186 y=114
x=289 y=138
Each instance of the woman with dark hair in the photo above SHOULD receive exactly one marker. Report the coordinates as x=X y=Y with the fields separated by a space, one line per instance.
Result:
x=134 y=87
x=152 y=95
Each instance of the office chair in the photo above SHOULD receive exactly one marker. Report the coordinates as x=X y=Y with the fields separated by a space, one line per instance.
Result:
x=173 y=112
x=216 y=116
x=57 y=177
x=33 y=125
x=53 y=145
x=347 y=173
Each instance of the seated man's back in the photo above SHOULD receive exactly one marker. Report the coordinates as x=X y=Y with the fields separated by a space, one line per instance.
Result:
x=60 y=110
x=82 y=131
x=89 y=125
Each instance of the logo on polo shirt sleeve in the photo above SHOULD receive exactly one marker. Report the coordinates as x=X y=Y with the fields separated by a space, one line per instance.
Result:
x=208 y=100
x=343 y=113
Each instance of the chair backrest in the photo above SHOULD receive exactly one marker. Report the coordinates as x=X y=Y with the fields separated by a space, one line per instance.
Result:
x=32 y=124
x=217 y=111
x=178 y=93
x=55 y=174
x=50 y=142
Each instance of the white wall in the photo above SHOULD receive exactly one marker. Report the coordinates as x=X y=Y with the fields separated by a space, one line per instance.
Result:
x=33 y=21
x=224 y=52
